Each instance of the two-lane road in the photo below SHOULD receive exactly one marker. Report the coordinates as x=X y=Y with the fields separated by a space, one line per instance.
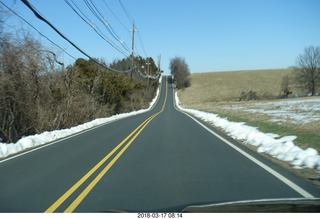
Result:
x=161 y=160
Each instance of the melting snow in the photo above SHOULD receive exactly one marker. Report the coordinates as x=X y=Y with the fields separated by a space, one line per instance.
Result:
x=281 y=148
x=295 y=111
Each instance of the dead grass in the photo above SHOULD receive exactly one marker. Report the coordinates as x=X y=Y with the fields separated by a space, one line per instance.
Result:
x=227 y=86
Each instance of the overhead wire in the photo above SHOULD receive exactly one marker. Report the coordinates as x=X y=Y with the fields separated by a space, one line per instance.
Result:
x=126 y=12
x=141 y=43
x=140 y=40
x=40 y=17
x=93 y=26
x=27 y=22
x=120 y=22
x=95 y=11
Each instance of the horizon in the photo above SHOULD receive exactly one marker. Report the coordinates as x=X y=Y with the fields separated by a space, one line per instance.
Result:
x=242 y=70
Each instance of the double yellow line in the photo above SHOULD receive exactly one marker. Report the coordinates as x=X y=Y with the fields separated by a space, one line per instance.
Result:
x=127 y=142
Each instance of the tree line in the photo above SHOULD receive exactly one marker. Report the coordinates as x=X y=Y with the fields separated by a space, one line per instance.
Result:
x=38 y=93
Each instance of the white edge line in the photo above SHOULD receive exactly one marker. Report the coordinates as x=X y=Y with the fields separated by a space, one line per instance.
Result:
x=35 y=148
x=285 y=180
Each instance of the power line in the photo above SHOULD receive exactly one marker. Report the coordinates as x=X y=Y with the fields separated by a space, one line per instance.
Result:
x=126 y=12
x=93 y=26
x=109 y=26
x=115 y=15
x=40 y=17
x=141 y=43
x=95 y=11
x=37 y=30
x=134 y=30
x=132 y=21
x=140 y=39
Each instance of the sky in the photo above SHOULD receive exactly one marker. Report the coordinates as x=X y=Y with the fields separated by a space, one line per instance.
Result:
x=211 y=35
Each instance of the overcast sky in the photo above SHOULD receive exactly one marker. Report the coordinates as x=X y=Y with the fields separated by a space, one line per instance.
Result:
x=212 y=35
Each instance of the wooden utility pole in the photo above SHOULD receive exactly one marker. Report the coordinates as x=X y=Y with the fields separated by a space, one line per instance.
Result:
x=132 y=49
x=148 y=66
x=159 y=62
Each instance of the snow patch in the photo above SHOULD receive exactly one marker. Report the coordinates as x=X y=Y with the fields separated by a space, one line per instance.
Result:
x=294 y=111
x=280 y=148
x=47 y=137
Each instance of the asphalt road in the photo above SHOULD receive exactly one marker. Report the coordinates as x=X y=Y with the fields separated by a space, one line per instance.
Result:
x=162 y=160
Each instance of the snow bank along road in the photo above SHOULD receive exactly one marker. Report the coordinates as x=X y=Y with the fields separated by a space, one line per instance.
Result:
x=281 y=148
x=161 y=160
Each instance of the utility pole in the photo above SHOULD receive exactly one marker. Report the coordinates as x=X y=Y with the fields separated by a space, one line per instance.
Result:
x=159 y=61
x=132 y=49
x=148 y=70
x=148 y=65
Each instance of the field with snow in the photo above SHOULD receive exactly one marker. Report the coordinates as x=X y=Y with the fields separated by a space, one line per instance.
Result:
x=297 y=111
x=280 y=147
x=299 y=117
x=279 y=127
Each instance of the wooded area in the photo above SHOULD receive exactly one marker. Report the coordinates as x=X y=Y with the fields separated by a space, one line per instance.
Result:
x=38 y=93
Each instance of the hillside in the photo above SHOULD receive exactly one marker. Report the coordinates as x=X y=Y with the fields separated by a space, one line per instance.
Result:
x=227 y=86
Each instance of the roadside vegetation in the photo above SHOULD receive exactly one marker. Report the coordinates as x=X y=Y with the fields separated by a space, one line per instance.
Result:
x=180 y=72
x=39 y=93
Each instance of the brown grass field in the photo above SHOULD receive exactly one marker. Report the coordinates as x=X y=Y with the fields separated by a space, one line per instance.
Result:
x=227 y=86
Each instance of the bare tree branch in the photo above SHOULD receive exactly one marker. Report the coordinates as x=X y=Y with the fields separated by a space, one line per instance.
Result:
x=308 y=69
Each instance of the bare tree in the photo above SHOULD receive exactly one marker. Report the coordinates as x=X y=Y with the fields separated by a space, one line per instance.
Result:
x=26 y=103
x=308 y=69
x=180 y=72
x=38 y=94
x=13 y=93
